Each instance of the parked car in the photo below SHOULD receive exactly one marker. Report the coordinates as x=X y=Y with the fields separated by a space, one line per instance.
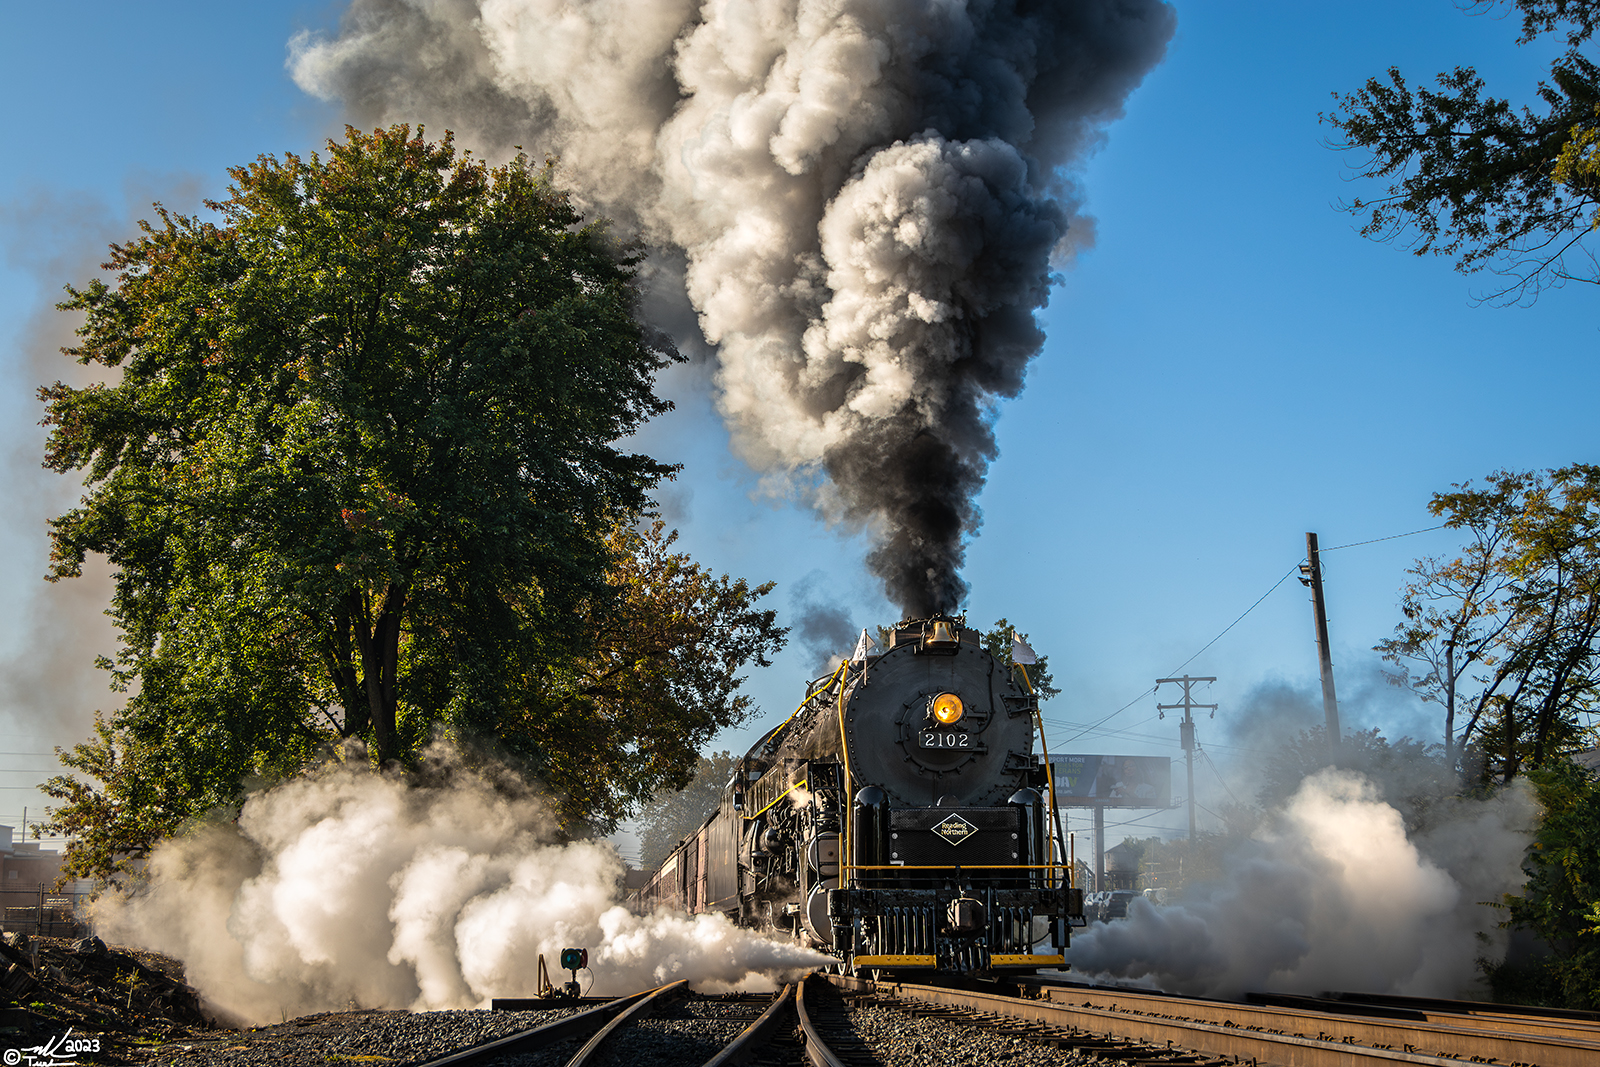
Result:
x=1116 y=904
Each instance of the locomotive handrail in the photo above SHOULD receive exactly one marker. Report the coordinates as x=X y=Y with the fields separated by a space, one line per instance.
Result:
x=845 y=816
x=801 y=784
x=965 y=867
x=770 y=734
x=1050 y=779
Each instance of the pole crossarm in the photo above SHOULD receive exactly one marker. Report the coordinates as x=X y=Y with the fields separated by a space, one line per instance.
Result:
x=1186 y=728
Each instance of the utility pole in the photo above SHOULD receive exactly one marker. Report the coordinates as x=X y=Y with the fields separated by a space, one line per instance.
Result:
x=1186 y=729
x=1099 y=847
x=1311 y=574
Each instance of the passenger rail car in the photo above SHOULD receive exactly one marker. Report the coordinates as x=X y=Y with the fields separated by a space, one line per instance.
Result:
x=897 y=819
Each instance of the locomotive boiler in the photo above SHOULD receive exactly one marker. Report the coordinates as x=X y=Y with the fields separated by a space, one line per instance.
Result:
x=898 y=819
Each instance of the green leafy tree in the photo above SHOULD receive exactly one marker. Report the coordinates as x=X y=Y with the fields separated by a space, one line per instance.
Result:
x=604 y=731
x=358 y=475
x=134 y=799
x=1477 y=179
x=1458 y=611
x=660 y=678
x=1561 y=901
x=674 y=815
x=1558 y=645
x=1505 y=637
x=997 y=642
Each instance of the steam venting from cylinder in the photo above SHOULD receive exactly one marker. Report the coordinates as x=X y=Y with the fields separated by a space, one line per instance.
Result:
x=861 y=199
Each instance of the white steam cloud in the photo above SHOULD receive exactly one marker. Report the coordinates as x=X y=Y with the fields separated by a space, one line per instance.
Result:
x=862 y=200
x=348 y=887
x=1334 y=896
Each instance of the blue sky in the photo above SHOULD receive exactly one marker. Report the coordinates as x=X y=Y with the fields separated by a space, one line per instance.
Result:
x=1230 y=366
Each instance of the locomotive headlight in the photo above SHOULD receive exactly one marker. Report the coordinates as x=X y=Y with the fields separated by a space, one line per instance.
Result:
x=946 y=707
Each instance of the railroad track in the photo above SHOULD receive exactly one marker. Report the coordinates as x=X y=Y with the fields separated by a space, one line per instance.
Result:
x=810 y=1024
x=1289 y=1031
x=614 y=1032
x=1462 y=1014
x=835 y=1021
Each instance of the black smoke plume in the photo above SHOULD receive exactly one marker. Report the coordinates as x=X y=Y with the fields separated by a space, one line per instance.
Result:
x=822 y=628
x=867 y=195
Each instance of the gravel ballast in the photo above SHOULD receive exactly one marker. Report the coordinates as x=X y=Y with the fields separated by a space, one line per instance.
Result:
x=682 y=1033
x=898 y=1038
x=400 y=1038
x=688 y=1032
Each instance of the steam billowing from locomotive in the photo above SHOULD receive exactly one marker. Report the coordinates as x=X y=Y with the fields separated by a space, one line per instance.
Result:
x=866 y=198
x=1333 y=893
x=346 y=886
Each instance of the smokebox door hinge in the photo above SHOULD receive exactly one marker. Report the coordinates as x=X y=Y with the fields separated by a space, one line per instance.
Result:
x=1023 y=705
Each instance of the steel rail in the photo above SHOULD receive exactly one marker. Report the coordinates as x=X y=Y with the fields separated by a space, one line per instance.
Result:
x=1451 y=1036
x=1271 y=1035
x=1463 y=1017
x=817 y=1050
x=743 y=1048
x=638 y=1009
x=540 y=1036
x=1468 y=1007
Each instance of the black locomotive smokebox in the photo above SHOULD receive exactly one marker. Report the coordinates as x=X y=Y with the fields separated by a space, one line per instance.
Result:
x=946 y=837
x=979 y=759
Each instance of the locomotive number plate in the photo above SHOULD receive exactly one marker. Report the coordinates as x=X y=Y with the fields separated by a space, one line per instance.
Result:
x=943 y=739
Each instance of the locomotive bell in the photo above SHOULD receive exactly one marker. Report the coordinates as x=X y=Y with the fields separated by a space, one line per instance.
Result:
x=941 y=636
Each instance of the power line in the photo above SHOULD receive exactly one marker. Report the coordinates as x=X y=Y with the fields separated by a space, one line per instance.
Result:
x=1286 y=574
x=1140 y=819
x=1120 y=731
x=1207 y=757
x=1128 y=733
x=1237 y=621
x=1391 y=537
x=1191 y=659
x=1094 y=726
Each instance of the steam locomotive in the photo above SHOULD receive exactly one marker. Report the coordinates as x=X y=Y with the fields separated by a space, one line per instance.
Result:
x=897 y=819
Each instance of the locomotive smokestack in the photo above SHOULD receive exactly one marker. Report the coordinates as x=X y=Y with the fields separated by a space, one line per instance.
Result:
x=865 y=203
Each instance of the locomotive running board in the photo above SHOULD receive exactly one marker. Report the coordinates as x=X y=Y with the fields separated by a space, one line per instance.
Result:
x=998 y=960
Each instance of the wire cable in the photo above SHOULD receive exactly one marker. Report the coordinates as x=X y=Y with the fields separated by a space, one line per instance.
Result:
x=1391 y=537
x=1221 y=779
x=1286 y=575
x=1136 y=821
x=1235 y=622
x=1096 y=725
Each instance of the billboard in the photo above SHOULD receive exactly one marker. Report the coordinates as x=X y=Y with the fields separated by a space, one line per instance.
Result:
x=1113 y=781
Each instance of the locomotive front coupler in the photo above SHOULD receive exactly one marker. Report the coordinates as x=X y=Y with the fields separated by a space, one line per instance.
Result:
x=965 y=916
